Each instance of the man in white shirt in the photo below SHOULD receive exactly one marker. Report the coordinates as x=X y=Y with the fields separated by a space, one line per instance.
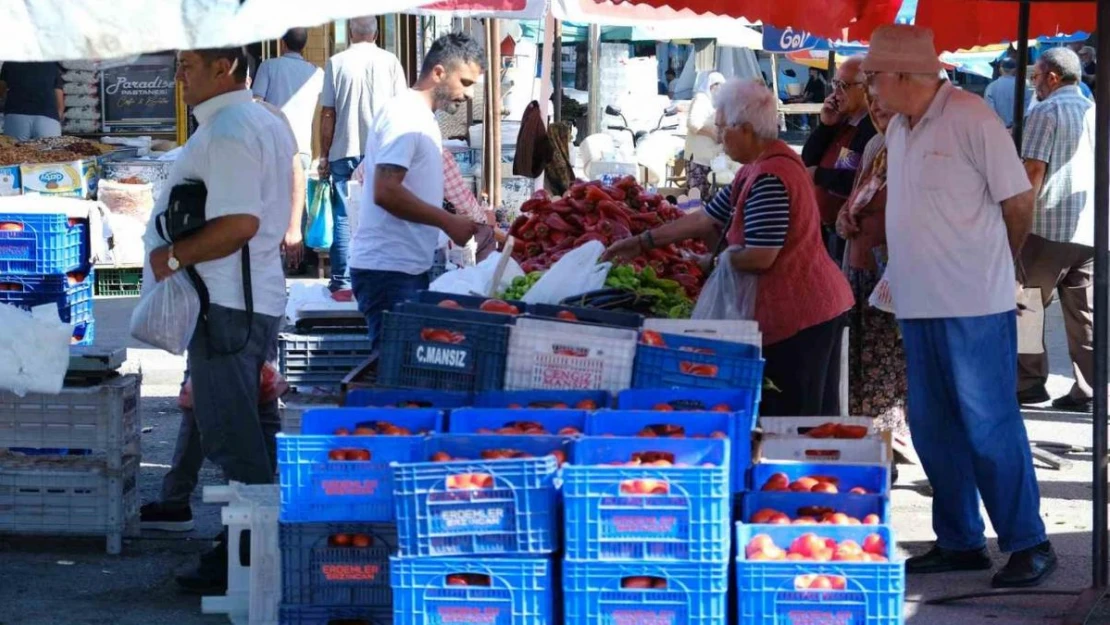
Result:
x=959 y=207
x=401 y=212
x=293 y=85
x=243 y=155
x=358 y=82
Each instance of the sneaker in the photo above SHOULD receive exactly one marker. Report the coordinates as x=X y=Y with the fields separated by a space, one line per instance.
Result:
x=1067 y=403
x=159 y=516
x=210 y=576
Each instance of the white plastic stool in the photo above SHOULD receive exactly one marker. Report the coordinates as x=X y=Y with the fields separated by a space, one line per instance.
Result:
x=253 y=592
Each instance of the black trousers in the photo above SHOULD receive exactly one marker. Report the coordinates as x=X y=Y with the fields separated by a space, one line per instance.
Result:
x=805 y=368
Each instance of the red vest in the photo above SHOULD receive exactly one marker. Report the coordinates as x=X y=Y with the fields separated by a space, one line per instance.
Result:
x=803 y=287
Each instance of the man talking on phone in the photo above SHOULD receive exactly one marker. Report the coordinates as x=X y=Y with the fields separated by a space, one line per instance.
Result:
x=835 y=148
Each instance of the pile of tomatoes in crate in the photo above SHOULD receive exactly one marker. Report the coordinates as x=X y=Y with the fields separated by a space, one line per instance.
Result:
x=812 y=547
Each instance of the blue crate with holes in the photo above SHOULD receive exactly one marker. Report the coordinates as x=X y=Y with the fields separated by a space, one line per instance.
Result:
x=648 y=512
x=329 y=477
x=544 y=399
x=872 y=478
x=587 y=315
x=442 y=349
x=788 y=592
x=467 y=302
x=407 y=398
x=693 y=362
x=815 y=505
x=72 y=293
x=493 y=591
x=472 y=496
x=741 y=402
x=680 y=424
x=43 y=243
x=640 y=593
x=508 y=421
x=333 y=615
x=337 y=563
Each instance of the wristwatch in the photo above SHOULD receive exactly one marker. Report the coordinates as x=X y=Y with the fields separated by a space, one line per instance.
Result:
x=172 y=261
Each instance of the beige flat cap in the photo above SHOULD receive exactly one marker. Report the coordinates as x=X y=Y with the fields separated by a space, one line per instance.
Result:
x=902 y=49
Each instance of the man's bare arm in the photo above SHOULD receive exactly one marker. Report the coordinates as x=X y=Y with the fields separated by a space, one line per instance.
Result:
x=1035 y=170
x=1017 y=212
x=327 y=135
x=390 y=193
x=218 y=238
x=60 y=101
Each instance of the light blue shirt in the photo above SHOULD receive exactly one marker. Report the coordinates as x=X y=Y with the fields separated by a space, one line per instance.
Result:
x=293 y=85
x=1000 y=96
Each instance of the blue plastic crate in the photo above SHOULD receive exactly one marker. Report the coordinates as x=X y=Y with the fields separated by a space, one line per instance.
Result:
x=734 y=426
x=589 y=315
x=389 y=398
x=316 y=488
x=743 y=401
x=549 y=399
x=793 y=504
x=711 y=347
x=475 y=363
x=690 y=593
x=675 y=367
x=768 y=591
x=317 y=568
x=84 y=333
x=333 y=615
x=498 y=591
x=608 y=519
x=468 y=302
x=490 y=420
x=518 y=514
x=72 y=293
x=874 y=478
x=40 y=243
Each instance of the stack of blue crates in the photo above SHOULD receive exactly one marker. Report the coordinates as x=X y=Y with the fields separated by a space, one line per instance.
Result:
x=44 y=259
x=337 y=527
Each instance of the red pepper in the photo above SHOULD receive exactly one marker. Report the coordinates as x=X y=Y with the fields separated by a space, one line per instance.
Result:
x=698 y=369
x=518 y=224
x=557 y=223
x=542 y=230
x=590 y=236
x=615 y=193
x=596 y=194
x=533 y=249
x=620 y=230
x=558 y=237
x=563 y=207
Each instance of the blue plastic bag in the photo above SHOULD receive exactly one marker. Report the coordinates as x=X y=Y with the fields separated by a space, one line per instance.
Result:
x=319 y=233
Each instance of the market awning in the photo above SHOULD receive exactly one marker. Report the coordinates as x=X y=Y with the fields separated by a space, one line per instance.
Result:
x=984 y=22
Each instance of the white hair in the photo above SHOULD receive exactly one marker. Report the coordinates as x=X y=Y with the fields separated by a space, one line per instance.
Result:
x=749 y=102
x=364 y=26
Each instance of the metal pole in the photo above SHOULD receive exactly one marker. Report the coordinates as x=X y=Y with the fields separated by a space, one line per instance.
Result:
x=557 y=68
x=595 y=79
x=1099 y=538
x=495 y=107
x=1019 y=79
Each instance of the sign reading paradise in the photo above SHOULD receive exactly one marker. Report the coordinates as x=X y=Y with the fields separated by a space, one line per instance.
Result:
x=141 y=97
x=782 y=40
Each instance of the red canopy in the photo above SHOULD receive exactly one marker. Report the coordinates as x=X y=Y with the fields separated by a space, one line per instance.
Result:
x=824 y=18
x=967 y=23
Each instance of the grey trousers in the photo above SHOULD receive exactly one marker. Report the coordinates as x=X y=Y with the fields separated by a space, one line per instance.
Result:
x=227 y=424
x=27 y=127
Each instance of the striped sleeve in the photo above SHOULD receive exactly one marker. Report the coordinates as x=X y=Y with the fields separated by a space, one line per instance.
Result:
x=720 y=207
x=1040 y=134
x=766 y=213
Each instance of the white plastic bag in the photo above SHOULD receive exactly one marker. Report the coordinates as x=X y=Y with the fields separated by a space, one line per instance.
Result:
x=575 y=273
x=167 y=314
x=728 y=294
x=34 y=350
x=477 y=280
x=881 y=297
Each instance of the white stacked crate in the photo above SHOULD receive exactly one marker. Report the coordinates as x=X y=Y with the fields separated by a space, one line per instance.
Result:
x=93 y=494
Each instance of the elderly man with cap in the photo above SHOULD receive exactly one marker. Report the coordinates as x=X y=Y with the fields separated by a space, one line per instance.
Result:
x=959 y=207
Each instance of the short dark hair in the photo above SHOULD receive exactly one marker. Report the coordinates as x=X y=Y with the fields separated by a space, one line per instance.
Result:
x=296 y=39
x=238 y=56
x=451 y=50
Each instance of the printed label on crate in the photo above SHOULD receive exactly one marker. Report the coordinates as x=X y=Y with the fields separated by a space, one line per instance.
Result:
x=466 y=614
x=648 y=617
x=15 y=246
x=440 y=356
x=817 y=611
x=350 y=572
x=559 y=371
x=484 y=518
x=626 y=525
x=340 y=488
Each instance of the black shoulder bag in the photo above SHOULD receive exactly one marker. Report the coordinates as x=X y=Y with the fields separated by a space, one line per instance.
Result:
x=185 y=216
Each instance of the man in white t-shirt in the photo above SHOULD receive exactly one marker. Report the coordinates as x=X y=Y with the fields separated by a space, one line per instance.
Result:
x=401 y=213
x=243 y=155
x=959 y=207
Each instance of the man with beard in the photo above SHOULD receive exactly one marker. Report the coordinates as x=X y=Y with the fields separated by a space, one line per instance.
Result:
x=402 y=200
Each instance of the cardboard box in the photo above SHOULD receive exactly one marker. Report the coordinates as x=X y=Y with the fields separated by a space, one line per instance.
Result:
x=9 y=181
x=73 y=179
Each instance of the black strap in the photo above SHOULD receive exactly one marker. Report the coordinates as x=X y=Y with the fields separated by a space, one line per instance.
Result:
x=248 y=300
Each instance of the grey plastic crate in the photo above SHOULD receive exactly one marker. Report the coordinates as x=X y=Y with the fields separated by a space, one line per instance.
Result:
x=309 y=361
x=75 y=496
x=102 y=418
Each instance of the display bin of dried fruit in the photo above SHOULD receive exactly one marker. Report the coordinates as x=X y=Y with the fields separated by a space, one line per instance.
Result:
x=480 y=494
x=664 y=499
x=337 y=564
x=338 y=468
x=818 y=574
x=505 y=591
x=641 y=592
